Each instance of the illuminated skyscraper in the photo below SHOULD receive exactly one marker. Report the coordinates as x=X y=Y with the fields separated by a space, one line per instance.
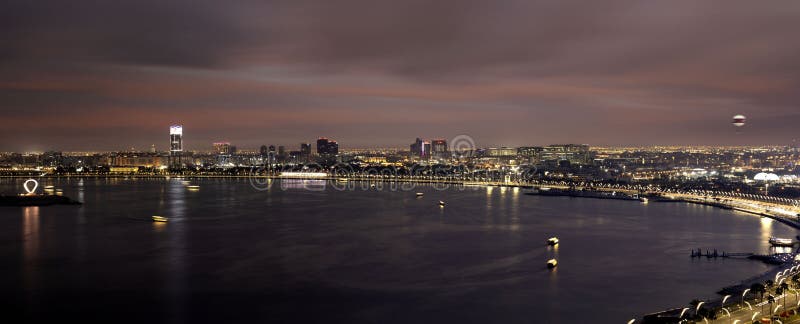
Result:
x=176 y=139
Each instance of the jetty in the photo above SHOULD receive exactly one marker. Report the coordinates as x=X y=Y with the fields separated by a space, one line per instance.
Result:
x=36 y=200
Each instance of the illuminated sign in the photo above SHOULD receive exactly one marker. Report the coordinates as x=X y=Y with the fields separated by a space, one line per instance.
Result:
x=176 y=130
x=31 y=191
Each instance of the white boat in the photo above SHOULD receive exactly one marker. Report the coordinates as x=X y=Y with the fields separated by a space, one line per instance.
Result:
x=441 y=203
x=552 y=241
x=776 y=241
x=644 y=200
x=160 y=219
x=552 y=263
x=419 y=194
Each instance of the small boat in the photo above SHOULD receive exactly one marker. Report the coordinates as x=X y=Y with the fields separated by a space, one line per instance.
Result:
x=441 y=203
x=776 y=241
x=343 y=180
x=193 y=187
x=552 y=241
x=419 y=194
x=552 y=263
x=644 y=200
x=372 y=186
x=160 y=219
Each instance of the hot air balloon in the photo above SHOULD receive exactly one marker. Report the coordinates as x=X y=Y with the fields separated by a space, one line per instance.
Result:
x=739 y=120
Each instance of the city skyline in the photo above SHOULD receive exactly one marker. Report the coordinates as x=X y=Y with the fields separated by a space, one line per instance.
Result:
x=89 y=76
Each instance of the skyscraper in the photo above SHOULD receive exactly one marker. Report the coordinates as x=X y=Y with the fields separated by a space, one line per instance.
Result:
x=439 y=148
x=176 y=139
x=416 y=147
x=271 y=155
x=322 y=146
x=326 y=147
x=305 y=151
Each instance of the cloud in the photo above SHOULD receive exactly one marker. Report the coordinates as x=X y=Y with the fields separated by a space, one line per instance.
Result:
x=371 y=64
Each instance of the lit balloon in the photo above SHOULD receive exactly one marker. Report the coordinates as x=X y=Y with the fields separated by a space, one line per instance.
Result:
x=739 y=120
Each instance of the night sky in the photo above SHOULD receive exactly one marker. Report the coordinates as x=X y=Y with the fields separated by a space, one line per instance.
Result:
x=109 y=75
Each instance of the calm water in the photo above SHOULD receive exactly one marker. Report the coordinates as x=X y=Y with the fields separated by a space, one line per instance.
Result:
x=231 y=253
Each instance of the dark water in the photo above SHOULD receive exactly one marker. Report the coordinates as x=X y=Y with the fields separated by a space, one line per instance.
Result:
x=234 y=254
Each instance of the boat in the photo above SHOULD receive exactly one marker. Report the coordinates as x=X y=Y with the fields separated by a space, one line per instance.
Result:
x=552 y=241
x=193 y=187
x=552 y=263
x=644 y=200
x=160 y=219
x=419 y=194
x=777 y=241
x=441 y=203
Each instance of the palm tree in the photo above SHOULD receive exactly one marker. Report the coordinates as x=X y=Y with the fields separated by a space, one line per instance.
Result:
x=770 y=300
x=785 y=289
x=760 y=289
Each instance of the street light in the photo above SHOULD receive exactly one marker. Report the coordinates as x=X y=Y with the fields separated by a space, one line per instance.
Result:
x=724 y=299
x=745 y=293
x=728 y=313
x=631 y=321
x=753 y=318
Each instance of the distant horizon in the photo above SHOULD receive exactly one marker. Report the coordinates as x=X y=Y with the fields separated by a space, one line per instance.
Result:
x=296 y=147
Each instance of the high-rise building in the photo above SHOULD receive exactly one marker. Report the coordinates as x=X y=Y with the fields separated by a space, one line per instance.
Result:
x=263 y=151
x=305 y=151
x=176 y=139
x=282 y=153
x=418 y=148
x=271 y=155
x=327 y=148
x=439 y=148
x=175 y=146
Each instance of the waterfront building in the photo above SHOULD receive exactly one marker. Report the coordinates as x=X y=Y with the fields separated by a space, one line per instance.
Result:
x=176 y=146
x=176 y=139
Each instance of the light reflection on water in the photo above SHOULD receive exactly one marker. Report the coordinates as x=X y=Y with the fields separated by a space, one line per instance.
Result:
x=296 y=255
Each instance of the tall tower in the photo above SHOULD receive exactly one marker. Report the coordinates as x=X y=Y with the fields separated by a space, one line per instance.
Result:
x=175 y=139
x=175 y=146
